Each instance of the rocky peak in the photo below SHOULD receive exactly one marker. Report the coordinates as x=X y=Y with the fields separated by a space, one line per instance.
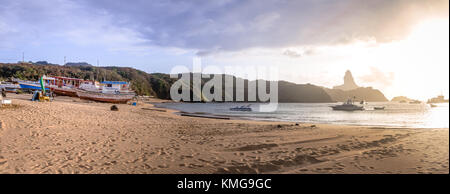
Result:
x=349 y=82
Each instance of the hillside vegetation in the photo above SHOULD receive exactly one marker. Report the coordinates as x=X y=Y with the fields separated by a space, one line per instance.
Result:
x=158 y=84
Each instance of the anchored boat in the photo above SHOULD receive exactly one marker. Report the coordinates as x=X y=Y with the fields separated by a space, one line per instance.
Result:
x=241 y=108
x=347 y=106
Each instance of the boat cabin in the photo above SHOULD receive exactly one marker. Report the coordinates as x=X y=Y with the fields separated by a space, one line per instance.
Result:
x=67 y=81
x=115 y=85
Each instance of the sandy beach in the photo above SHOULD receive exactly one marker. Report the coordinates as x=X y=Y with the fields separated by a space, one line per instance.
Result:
x=70 y=135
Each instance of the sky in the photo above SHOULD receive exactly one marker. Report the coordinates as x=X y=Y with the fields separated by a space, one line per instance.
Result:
x=398 y=46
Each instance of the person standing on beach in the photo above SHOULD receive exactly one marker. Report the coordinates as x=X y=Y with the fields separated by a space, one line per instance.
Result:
x=3 y=93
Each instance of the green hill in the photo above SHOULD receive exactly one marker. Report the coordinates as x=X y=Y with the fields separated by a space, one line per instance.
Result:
x=158 y=84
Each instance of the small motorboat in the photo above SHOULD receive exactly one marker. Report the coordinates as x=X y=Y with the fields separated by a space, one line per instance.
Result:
x=348 y=106
x=241 y=108
x=378 y=108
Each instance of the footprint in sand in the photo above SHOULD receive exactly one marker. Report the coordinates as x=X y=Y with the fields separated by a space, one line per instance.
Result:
x=3 y=162
x=163 y=166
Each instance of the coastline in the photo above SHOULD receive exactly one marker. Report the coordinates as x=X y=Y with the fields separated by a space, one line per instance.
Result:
x=75 y=136
x=237 y=117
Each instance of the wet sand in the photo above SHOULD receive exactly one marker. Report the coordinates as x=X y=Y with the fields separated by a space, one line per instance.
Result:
x=70 y=135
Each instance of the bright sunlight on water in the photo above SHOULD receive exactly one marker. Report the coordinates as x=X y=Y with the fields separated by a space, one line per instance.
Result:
x=394 y=115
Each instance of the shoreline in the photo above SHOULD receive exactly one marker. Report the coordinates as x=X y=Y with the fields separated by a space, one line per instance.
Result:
x=231 y=117
x=72 y=136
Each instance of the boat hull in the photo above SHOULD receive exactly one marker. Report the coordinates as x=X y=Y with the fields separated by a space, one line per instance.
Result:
x=108 y=98
x=65 y=92
x=31 y=86
x=241 y=109
x=347 y=108
x=10 y=90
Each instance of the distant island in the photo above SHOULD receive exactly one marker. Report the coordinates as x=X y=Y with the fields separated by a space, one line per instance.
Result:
x=438 y=99
x=158 y=84
x=402 y=99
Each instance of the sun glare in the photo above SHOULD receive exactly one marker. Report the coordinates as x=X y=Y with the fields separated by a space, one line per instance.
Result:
x=427 y=48
x=419 y=61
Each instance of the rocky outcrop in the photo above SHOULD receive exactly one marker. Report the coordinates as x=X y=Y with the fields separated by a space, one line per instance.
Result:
x=351 y=90
x=349 y=82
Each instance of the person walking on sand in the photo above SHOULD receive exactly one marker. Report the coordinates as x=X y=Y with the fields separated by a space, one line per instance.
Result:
x=3 y=92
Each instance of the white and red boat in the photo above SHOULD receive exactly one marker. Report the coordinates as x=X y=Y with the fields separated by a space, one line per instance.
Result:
x=103 y=97
x=107 y=91
x=65 y=86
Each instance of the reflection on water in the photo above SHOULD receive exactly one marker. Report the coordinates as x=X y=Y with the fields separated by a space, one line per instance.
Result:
x=394 y=115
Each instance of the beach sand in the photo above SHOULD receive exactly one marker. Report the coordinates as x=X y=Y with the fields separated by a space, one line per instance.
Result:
x=70 y=135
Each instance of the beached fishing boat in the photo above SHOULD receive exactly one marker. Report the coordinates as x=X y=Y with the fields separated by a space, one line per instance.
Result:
x=66 y=86
x=102 y=97
x=59 y=85
x=115 y=87
x=30 y=85
x=9 y=87
x=107 y=91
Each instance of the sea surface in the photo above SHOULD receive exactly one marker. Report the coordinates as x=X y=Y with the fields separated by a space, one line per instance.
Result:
x=394 y=115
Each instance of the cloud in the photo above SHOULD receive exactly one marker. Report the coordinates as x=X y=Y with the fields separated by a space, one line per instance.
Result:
x=42 y=22
x=236 y=25
x=297 y=54
x=379 y=78
x=210 y=26
x=203 y=53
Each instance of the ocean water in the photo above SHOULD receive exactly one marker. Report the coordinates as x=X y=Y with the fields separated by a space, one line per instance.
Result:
x=394 y=115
